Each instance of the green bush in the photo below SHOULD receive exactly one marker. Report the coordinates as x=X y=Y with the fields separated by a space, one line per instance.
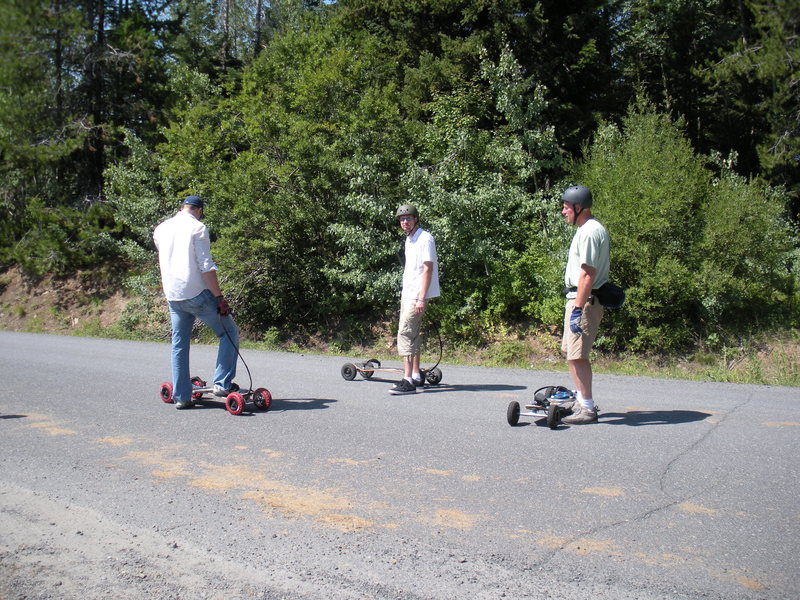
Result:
x=699 y=248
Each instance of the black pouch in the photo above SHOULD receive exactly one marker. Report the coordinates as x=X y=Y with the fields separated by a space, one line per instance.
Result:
x=610 y=295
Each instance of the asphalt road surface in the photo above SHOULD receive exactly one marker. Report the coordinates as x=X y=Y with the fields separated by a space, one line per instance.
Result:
x=683 y=490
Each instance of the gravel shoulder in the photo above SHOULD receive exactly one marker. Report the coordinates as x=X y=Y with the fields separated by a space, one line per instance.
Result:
x=49 y=549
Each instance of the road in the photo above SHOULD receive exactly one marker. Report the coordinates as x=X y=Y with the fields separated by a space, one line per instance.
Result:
x=683 y=490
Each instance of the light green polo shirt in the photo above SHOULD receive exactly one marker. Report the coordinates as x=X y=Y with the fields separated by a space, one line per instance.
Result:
x=590 y=246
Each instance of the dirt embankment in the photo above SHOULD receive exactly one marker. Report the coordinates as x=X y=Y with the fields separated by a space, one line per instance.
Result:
x=53 y=305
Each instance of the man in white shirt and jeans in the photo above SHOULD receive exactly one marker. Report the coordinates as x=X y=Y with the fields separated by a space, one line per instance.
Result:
x=189 y=280
x=420 y=283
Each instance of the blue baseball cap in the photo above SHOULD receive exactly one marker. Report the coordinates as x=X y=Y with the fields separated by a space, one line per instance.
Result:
x=194 y=201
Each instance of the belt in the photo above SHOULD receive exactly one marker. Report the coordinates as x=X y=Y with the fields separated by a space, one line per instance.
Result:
x=572 y=292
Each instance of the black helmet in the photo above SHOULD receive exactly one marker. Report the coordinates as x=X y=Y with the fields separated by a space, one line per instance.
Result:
x=405 y=210
x=578 y=194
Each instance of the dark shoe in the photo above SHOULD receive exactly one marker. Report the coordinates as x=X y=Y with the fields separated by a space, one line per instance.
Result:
x=418 y=382
x=403 y=387
x=184 y=405
x=218 y=391
x=581 y=416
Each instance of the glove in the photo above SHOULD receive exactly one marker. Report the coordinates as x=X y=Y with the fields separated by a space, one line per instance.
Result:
x=575 y=321
x=223 y=308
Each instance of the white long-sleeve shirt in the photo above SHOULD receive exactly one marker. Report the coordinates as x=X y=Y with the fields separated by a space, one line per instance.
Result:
x=184 y=254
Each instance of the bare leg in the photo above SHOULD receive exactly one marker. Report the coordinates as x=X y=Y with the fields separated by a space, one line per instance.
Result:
x=415 y=364
x=581 y=371
x=408 y=365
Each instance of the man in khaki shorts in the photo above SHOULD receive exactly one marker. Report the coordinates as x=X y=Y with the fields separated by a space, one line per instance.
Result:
x=587 y=269
x=420 y=284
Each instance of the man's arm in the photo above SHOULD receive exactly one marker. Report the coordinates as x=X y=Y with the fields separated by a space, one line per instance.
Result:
x=425 y=283
x=212 y=283
x=585 y=283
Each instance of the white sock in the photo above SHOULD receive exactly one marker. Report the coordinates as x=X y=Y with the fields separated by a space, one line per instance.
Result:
x=417 y=376
x=586 y=403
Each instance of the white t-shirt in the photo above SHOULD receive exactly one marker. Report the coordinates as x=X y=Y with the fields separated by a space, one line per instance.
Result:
x=420 y=248
x=184 y=254
x=590 y=246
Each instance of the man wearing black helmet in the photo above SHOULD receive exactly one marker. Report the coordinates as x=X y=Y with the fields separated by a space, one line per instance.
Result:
x=420 y=283
x=587 y=269
x=189 y=279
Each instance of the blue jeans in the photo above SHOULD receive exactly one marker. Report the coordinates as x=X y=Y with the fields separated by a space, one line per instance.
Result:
x=183 y=313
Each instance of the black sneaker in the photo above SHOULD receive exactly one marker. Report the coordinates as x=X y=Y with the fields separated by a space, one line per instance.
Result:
x=403 y=387
x=418 y=382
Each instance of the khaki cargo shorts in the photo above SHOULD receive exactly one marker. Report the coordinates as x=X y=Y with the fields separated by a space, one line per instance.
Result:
x=579 y=346
x=409 y=339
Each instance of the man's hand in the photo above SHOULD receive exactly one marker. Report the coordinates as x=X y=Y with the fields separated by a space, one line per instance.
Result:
x=575 y=321
x=223 y=308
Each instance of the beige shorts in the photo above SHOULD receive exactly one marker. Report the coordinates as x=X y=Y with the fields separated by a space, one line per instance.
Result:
x=409 y=339
x=579 y=346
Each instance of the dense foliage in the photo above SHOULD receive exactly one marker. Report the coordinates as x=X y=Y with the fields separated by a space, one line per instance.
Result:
x=305 y=123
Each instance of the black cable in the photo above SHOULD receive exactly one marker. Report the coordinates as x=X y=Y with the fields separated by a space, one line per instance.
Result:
x=239 y=354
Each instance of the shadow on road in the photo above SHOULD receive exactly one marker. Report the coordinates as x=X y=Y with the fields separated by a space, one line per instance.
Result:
x=443 y=387
x=637 y=418
x=300 y=404
x=477 y=387
x=276 y=406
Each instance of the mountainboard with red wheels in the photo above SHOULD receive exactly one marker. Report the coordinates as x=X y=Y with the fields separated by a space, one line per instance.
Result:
x=367 y=369
x=552 y=402
x=234 y=402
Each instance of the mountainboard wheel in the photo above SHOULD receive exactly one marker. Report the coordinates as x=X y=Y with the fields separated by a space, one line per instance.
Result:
x=366 y=372
x=234 y=403
x=512 y=413
x=349 y=371
x=166 y=392
x=197 y=382
x=262 y=399
x=434 y=376
x=553 y=416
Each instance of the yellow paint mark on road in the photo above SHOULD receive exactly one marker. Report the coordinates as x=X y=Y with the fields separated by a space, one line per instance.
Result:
x=291 y=501
x=272 y=453
x=52 y=428
x=585 y=546
x=749 y=583
x=608 y=492
x=552 y=542
x=471 y=478
x=345 y=523
x=455 y=519
x=434 y=471
x=350 y=461
x=168 y=468
x=696 y=509
x=115 y=441
x=779 y=424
